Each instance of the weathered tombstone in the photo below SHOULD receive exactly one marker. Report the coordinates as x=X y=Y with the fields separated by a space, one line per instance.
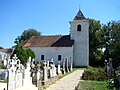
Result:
x=51 y=68
x=71 y=64
x=108 y=67
x=66 y=65
x=45 y=72
x=38 y=76
x=27 y=73
x=54 y=71
x=63 y=68
x=59 y=68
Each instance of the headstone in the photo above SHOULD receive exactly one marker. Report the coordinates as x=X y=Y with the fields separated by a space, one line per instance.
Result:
x=63 y=68
x=67 y=69
x=27 y=73
x=54 y=71
x=108 y=67
x=45 y=72
x=59 y=68
x=71 y=64
x=15 y=74
x=38 y=76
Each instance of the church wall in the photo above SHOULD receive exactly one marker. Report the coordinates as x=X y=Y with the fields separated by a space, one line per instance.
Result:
x=81 y=42
x=52 y=52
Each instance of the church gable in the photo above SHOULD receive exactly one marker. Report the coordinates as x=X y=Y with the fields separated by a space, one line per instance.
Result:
x=49 y=41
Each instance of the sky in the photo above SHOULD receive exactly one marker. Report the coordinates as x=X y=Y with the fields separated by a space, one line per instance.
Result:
x=50 y=17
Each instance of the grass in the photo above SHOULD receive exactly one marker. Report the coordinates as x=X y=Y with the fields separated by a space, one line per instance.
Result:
x=92 y=85
x=3 y=81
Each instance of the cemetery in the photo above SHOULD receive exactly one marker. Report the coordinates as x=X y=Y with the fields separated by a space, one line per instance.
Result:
x=40 y=75
x=32 y=74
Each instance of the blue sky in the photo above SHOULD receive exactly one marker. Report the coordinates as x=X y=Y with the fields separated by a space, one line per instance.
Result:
x=51 y=17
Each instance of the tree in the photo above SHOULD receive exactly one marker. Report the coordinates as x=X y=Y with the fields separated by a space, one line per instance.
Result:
x=95 y=42
x=114 y=45
x=30 y=53
x=27 y=34
x=23 y=54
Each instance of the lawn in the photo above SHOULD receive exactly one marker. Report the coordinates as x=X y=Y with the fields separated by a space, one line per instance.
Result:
x=92 y=85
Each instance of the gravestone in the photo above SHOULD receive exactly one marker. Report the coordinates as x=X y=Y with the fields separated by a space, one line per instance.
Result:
x=38 y=76
x=71 y=64
x=66 y=65
x=63 y=64
x=59 y=68
x=52 y=69
x=45 y=72
x=15 y=78
x=27 y=73
x=108 y=67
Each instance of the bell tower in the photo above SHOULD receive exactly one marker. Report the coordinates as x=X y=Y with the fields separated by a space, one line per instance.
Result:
x=79 y=32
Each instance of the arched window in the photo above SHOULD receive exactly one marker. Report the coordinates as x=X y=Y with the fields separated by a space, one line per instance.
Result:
x=79 y=27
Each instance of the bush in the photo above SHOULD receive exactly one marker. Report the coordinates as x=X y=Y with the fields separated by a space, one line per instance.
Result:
x=94 y=74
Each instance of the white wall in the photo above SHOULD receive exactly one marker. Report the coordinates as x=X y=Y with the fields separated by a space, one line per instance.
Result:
x=81 y=42
x=52 y=52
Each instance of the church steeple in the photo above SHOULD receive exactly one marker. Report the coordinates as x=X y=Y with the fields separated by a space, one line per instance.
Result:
x=79 y=16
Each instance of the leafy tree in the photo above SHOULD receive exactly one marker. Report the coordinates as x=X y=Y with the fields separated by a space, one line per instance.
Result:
x=27 y=34
x=21 y=53
x=95 y=42
x=114 y=45
x=30 y=53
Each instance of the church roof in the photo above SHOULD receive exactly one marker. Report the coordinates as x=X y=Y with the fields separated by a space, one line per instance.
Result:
x=79 y=16
x=49 y=41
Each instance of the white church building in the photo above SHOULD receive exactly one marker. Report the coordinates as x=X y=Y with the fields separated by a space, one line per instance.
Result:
x=74 y=46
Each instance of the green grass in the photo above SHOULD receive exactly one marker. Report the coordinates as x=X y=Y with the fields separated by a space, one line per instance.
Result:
x=3 y=81
x=92 y=85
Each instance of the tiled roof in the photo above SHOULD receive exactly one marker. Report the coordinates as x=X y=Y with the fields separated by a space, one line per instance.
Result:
x=79 y=16
x=7 y=51
x=49 y=41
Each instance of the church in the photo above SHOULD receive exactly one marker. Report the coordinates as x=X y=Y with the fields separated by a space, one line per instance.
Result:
x=74 y=46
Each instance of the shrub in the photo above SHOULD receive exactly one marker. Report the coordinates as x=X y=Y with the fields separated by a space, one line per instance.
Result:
x=94 y=74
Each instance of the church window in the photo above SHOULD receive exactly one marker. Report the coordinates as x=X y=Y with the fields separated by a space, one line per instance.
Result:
x=79 y=27
x=42 y=57
x=59 y=57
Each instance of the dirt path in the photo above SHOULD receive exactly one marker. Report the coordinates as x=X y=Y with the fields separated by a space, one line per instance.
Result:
x=68 y=82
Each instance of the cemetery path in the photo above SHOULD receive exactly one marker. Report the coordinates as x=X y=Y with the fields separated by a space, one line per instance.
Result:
x=68 y=82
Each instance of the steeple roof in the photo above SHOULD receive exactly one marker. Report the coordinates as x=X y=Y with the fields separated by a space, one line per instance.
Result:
x=79 y=16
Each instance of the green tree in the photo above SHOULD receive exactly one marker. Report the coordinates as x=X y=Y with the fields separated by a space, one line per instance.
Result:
x=27 y=34
x=30 y=53
x=21 y=53
x=114 y=45
x=96 y=42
